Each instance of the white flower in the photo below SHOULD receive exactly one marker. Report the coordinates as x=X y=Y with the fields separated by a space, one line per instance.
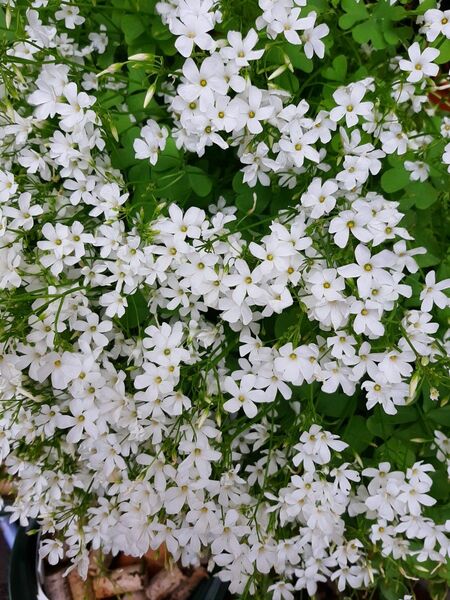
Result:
x=151 y=142
x=240 y=50
x=436 y=22
x=350 y=105
x=420 y=64
x=432 y=292
x=299 y=145
x=8 y=186
x=191 y=30
x=314 y=447
x=282 y=591
x=69 y=13
x=296 y=364
x=202 y=84
x=446 y=156
x=349 y=222
x=289 y=22
x=418 y=169
x=259 y=164
x=319 y=197
x=73 y=111
x=23 y=215
x=250 y=110
x=61 y=368
x=244 y=395
x=367 y=318
x=244 y=282
x=394 y=140
x=368 y=268
x=312 y=39
x=389 y=395
x=51 y=549
x=414 y=496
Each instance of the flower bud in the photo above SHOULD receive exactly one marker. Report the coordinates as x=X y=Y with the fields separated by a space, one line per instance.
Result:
x=141 y=57
x=111 y=69
x=149 y=95
x=413 y=387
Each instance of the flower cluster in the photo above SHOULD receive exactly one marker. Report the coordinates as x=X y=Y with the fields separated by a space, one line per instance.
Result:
x=167 y=372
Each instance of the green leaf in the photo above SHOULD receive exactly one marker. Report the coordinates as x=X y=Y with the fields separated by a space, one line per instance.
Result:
x=384 y=11
x=110 y=98
x=132 y=26
x=415 y=431
x=238 y=184
x=399 y=453
x=427 y=260
x=169 y=158
x=335 y=405
x=394 y=179
x=357 y=435
x=253 y=199
x=173 y=185
x=285 y=320
x=392 y=590
x=356 y=11
x=136 y=312
x=405 y=414
x=379 y=424
x=423 y=194
x=425 y=5
x=122 y=158
x=200 y=182
x=441 y=416
x=339 y=69
x=440 y=488
x=369 y=32
x=298 y=58
x=444 y=50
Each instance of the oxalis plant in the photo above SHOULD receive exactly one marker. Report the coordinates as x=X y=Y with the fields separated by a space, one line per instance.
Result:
x=223 y=275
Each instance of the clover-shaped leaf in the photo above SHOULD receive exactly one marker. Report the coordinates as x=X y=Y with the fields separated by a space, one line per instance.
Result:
x=356 y=11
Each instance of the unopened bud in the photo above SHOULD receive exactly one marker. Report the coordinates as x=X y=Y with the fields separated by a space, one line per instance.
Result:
x=288 y=63
x=111 y=69
x=202 y=419
x=141 y=57
x=413 y=387
x=114 y=132
x=424 y=361
x=434 y=394
x=277 y=72
x=255 y=200
x=149 y=95
x=8 y=16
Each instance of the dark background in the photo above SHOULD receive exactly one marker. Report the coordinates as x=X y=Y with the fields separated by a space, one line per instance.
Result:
x=4 y=557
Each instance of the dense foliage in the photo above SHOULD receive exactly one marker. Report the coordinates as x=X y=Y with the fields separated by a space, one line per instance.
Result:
x=223 y=272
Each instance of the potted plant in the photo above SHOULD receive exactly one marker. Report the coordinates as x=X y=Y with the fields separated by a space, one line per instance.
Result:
x=32 y=579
